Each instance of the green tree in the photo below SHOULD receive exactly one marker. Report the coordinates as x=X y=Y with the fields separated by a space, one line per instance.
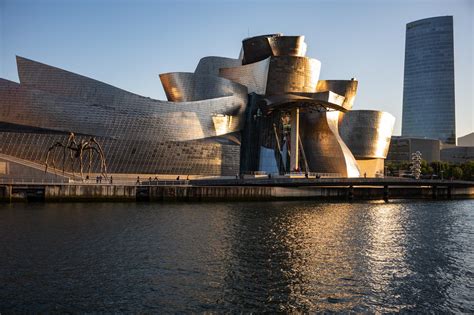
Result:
x=468 y=170
x=441 y=169
x=446 y=170
x=456 y=172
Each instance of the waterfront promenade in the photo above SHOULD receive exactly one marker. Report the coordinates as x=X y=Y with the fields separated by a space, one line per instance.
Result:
x=262 y=188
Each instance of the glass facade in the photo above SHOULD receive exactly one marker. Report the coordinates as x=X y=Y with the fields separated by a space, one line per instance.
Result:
x=428 y=90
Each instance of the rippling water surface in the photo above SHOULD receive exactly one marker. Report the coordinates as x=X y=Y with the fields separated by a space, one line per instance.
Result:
x=278 y=256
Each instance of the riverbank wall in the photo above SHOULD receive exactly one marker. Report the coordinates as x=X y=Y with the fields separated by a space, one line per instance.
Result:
x=132 y=193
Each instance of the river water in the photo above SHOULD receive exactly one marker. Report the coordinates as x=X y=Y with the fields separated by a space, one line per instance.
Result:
x=237 y=257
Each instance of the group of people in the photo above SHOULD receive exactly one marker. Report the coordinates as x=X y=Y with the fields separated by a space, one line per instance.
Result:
x=156 y=179
x=98 y=179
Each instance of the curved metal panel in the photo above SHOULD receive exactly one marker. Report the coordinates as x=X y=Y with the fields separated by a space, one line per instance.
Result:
x=8 y=84
x=159 y=120
x=64 y=101
x=351 y=164
x=287 y=45
x=289 y=74
x=326 y=100
x=73 y=88
x=324 y=149
x=36 y=75
x=367 y=133
x=188 y=87
x=257 y=48
x=346 y=88
x=253 y=76
x=211 y=65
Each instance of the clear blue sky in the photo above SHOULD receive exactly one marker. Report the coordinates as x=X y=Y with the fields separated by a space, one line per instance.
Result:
x=128 y=43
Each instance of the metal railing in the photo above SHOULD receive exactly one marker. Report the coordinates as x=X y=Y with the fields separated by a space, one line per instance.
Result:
x=33 y=181
x=315 y=174
x=163 y=183
x=103 y=182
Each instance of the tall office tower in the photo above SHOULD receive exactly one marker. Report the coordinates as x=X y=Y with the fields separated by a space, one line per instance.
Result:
x=428 y=88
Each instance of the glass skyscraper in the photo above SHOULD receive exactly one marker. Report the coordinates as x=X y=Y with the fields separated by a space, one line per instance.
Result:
x=428 y=89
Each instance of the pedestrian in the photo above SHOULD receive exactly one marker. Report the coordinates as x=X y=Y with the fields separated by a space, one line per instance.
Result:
x=365 y=174
x=177 y=178
x=111 y=180
x=138 y=180
x=97 y=179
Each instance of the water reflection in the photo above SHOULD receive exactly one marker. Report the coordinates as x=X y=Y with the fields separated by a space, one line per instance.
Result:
x=308 y=258
x=237 y=257
x=386 y=255
x=333 y=257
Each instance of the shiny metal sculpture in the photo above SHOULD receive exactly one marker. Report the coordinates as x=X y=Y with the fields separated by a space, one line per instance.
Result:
x=76 y=150
x=257 y=48
x=367 y=133
x=316 y=108
x=261 y=47
x=346 y=88
x=212 y=64
x=189 y=87
x=287 y=46
x=288 y=74
x=269 y=99
x=324 y=148
x=416 y=164
x=253 y=76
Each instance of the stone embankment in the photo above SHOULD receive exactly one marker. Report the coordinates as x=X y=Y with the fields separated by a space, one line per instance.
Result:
x=230 y=190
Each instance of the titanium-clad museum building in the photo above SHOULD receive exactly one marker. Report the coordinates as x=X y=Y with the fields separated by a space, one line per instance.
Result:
x=265 y=111
x=428 y=88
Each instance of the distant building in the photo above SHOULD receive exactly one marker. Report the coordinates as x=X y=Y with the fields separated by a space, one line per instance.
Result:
x=457 y=154
x=467 y=140
x=401 y=149
x=428 y=88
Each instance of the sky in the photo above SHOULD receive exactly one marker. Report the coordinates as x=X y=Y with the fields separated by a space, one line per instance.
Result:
x=128 y=43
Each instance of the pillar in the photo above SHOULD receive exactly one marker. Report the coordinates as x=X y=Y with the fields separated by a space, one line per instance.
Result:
x=386 y=193
x=295 y=131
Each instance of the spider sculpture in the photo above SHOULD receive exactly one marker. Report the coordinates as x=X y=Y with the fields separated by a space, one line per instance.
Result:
x=76 y=152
